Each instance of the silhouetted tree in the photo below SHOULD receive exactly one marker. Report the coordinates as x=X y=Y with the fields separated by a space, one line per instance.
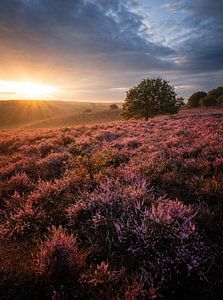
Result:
x=216 y=93
x=113 y=106
x=149 y=98
x=208 y=101
x=88 y=110
x=220 y=101
x=194 y=100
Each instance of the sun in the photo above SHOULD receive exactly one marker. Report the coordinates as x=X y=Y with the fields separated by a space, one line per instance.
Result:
x=35 y=90
x=27 y=89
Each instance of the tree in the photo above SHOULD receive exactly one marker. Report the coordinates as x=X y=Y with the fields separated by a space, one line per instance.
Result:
x=207 y=101
x=220 y=101
x=216 y=93
x=194 y=100
x=88 y=111
x=149 y=98
x=213 y=98
x=113 y=106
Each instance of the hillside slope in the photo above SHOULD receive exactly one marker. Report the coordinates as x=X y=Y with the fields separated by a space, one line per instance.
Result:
x=124 y=210
x=36 y=114
x=94 y=117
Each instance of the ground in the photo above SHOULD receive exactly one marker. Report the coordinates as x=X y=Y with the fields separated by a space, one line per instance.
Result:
x=120 y=210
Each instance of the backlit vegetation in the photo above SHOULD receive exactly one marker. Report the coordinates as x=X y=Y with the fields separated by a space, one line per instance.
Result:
x=124 y=210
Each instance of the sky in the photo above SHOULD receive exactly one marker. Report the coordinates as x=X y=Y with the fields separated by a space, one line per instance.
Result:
x=95 y=50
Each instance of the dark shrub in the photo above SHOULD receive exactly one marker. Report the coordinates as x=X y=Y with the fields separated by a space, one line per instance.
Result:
x=220 y=101
x=208 y=101
x=215 y=93
x=194 y=100
x=113 y=106
x=88 y=111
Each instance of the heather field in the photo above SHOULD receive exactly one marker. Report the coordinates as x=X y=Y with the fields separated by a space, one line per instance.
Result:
x=123 y=210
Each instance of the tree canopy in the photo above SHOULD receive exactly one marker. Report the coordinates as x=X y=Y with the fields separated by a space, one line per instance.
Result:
x=202 y=99
x=216 y=92
x=195 y=98
x=113 y=106
x=149 y=98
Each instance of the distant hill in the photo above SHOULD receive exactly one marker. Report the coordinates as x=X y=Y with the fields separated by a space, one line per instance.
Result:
x=40 y=114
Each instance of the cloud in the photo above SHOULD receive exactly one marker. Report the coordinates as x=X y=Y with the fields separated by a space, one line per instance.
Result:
x=91 y=31
x=205 y=8
x=96 y=45
x=199 y=42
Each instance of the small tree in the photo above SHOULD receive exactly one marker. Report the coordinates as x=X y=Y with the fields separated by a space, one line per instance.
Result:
x=150 y=98
x=194 y=100
x=113 y=106
x=88 y=111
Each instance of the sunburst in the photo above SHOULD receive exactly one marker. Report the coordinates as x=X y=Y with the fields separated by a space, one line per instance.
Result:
x=27 y=89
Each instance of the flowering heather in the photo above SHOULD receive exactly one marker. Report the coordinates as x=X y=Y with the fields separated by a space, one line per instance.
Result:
x=22 y=222
x=54 y=165
x=57 y=253
x=124 y=210
x=20 y=183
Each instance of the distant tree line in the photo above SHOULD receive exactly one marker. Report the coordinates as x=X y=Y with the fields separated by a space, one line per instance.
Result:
x=113 y=106
x=202 y=99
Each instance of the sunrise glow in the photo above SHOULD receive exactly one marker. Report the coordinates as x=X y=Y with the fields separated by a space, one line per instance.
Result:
x=27 y=89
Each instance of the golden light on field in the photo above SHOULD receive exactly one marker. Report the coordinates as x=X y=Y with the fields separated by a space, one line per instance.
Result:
x=27 y=90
